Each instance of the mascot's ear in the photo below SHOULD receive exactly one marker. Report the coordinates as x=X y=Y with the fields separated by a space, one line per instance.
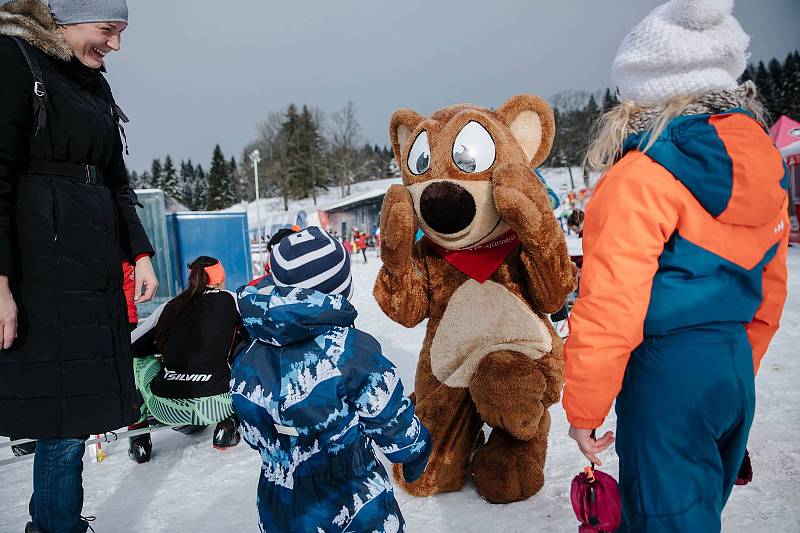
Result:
x=403 y=122
x=531 y=122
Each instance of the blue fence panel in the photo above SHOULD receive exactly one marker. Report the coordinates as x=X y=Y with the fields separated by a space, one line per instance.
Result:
x=220 y=235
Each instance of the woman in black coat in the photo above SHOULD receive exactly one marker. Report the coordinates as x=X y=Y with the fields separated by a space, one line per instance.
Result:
x=66 y=221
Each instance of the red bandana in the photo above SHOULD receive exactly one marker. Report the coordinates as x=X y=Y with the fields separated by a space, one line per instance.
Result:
x=480 y=262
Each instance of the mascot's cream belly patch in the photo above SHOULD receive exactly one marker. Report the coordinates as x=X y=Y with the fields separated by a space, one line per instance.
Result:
x=482 y=318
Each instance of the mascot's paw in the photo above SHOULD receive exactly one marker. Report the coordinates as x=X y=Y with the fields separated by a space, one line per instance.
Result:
x=507 y=389
x=517 y=199
x=507 y=470
x=398 y=227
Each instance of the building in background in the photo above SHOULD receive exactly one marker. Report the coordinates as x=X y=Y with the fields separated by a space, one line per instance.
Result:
x=362 y=211
x=786 y=135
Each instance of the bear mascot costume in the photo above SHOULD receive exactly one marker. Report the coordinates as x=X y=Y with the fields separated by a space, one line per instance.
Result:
x=491 y=266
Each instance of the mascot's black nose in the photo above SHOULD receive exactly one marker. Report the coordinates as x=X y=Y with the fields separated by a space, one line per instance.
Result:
x=447 y=207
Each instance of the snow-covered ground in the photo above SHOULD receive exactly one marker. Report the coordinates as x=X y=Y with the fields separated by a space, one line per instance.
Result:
x=189 y=487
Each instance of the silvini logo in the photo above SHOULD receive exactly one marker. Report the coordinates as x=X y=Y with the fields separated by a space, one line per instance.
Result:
x=169 y=375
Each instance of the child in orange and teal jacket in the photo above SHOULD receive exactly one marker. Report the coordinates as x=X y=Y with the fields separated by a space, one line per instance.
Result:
x=684 y=273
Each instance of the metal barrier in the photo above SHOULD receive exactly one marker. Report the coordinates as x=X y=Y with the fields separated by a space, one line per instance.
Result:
x=109 y=436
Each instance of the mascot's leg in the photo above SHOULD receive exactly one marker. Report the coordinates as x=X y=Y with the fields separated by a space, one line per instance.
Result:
x=450 y=416
x=509 y=390
x=508 y=470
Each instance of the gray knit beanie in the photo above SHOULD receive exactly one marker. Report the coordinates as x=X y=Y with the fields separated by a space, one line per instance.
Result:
x=79 y=11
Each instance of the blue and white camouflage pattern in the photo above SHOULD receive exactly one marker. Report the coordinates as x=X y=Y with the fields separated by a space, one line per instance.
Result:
x=313 y=393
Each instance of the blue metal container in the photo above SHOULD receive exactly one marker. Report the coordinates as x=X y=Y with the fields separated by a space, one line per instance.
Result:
x=220 y=235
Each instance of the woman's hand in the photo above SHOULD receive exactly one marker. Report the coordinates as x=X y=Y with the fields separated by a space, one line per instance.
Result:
x=8 y=315
x=144 y=278
x=590 y=446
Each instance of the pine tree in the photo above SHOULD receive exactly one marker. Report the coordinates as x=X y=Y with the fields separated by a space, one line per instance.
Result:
x=232 y=193
x=778 y=101
x=557 y=157
x=588 y=117
x=134 y=180
x=156 y=174
x=245 y=179
x=792 y=78
x=309 y=169
x=219 y=194
x=200 y=192
x=170 y=179
x=609 y=101
x=186 y=184
x=749 y=74
x=394 y=169
x=288 y=156
x=765 y=89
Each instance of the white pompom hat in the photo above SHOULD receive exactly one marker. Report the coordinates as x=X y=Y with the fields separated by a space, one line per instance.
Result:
x=682 y=47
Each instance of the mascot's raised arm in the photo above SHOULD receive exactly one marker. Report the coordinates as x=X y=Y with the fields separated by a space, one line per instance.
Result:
x=492 y=264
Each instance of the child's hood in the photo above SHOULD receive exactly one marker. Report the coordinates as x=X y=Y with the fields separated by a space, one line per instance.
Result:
x=286 y=315
x=727 y=161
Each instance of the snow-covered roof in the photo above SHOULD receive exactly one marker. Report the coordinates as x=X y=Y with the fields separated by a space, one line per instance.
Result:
x=350 y=200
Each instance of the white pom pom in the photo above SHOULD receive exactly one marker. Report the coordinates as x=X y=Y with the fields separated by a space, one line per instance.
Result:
x=700 y=14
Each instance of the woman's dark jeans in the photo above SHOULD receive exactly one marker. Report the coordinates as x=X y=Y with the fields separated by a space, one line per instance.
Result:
x=57 y=497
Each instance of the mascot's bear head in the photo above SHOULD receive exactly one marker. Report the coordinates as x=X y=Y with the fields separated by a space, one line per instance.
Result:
x=448 y=161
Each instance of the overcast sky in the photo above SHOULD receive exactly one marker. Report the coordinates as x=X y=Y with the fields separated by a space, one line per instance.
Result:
x=199 y=72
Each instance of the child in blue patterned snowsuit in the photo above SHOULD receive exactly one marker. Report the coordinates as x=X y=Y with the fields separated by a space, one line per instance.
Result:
x=313 y=393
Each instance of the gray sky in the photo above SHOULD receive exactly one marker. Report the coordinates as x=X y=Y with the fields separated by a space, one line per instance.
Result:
x=195 y=73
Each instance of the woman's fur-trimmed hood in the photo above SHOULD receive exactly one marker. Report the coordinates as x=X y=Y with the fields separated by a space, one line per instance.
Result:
x=31 y=20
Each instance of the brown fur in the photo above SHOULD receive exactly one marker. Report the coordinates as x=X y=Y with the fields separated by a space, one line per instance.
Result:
x=31 y=21
x=509 y=390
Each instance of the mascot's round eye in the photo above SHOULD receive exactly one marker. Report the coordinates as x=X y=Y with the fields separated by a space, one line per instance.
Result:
x=473 y=150
x=419 y=158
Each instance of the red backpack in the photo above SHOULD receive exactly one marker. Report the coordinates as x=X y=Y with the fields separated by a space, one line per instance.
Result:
x=596 y=501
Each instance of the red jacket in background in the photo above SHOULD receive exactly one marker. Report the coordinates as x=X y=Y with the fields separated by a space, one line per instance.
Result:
x=128 y=286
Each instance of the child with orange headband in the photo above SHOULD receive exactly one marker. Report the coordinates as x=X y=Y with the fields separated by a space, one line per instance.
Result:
x=189 y=384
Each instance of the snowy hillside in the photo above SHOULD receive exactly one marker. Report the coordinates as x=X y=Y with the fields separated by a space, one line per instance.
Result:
x=189 y=487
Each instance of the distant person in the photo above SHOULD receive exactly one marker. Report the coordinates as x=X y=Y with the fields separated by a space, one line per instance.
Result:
x=575 y=222
x=348 y=247
x=67 y=220
x=354 y=240
x=275 y=239
x=189 y=384
x=314 y=393
x=684 y=278
x=361 y=244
